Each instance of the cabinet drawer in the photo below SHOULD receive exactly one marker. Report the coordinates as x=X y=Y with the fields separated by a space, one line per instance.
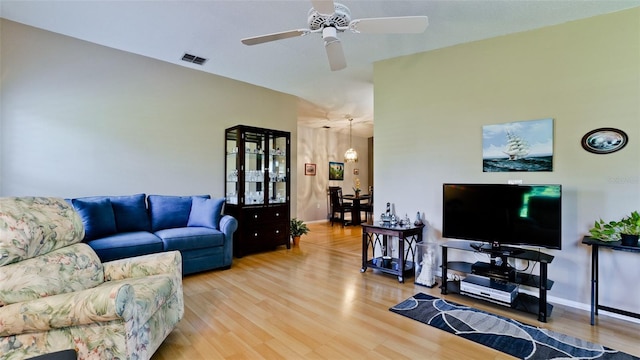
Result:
x=265 y=215
x=273 y=233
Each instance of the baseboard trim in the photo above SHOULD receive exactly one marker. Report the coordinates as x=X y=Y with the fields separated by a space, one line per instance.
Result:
x=575 y=304
x=587 y=307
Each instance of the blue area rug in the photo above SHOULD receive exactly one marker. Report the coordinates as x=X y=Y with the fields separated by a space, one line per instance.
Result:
x=500 y=333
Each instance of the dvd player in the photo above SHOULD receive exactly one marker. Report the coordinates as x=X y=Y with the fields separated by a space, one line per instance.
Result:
x=497 y=291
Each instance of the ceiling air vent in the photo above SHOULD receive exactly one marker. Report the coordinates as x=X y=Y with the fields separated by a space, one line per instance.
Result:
x=194 y=59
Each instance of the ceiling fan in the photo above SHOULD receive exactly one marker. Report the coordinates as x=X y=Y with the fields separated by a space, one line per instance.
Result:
x=331 y=18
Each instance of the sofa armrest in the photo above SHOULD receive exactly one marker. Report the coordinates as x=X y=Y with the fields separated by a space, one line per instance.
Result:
x=103 y=303
x=228 y=225
x=169 y=262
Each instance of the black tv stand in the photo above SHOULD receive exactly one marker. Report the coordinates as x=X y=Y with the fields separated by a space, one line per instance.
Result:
x=493 y=271
x=509 y=251
x=501 y=271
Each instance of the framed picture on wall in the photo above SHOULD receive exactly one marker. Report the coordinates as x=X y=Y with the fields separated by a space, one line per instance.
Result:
x=518 y=146
x=336 y=170
x=604 y=140
x=310 y=169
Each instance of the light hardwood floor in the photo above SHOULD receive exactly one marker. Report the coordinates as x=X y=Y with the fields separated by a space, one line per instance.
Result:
x=312 y=302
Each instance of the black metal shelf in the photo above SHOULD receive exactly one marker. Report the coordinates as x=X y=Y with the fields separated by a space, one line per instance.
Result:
x=595 y=249
x=521 y=278
x=523 y=302
x=531 y=280
x=392 y=267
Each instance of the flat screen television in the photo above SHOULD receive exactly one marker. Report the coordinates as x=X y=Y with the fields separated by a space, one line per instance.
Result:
x=501 y=214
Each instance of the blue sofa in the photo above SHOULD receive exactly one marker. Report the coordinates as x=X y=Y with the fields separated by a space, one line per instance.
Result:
x=118 y=227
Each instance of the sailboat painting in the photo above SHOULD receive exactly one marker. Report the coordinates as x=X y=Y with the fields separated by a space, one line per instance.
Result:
x=518 y=146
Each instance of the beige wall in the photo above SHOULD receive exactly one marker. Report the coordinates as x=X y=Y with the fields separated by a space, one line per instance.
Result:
x=430 y=108
x=82 y=119
x=319 y=146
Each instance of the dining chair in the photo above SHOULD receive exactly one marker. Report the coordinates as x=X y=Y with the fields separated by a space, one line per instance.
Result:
x=338 y=205
x=367 y=207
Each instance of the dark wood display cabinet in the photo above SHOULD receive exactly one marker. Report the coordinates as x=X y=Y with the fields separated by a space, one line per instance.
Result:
x=257 y=187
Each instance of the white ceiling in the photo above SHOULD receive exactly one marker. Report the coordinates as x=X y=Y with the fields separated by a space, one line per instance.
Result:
x=166 y=29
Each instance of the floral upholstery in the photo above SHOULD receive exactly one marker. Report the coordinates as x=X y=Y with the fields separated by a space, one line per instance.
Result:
x=72 y=268
x=30 y=226
x=55 y=294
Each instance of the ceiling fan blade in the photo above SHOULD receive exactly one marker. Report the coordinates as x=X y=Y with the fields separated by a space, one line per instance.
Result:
x=335 y=54
x=390 y=25
x=325 y=7
x=275 y=36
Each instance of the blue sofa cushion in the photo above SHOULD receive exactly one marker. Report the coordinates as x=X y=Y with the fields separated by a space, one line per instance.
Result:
x=126 y=245
x=130 y=213
x=169 y=211
x=188 y=238
x=206 y=212
x=97 y=216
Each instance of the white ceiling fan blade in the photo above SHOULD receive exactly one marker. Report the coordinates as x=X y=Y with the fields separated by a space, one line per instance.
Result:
x=275 y=36
x=325 y=7
x=335 y=54
x=390 y=25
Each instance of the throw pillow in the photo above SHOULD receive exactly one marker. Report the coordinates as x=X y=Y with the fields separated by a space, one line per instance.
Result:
x=97 y=217
x=130 y=212
x=206 y=212
x=169 y=212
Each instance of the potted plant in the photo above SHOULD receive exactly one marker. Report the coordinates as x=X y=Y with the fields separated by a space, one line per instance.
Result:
x=605 y=231
x=298 y=228
x=630 y=229
x=627 y=230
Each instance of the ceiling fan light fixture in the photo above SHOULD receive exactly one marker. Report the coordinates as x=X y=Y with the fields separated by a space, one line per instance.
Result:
x=329 y=34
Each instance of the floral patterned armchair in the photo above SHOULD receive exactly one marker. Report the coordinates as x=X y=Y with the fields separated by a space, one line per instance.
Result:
x=55 y=294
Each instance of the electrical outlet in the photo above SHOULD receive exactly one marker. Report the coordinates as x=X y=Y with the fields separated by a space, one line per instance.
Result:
x=318 y=206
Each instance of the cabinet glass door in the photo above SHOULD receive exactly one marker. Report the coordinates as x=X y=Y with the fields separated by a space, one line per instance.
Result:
x=232 y=166
x=254 y=160
x=278 y=170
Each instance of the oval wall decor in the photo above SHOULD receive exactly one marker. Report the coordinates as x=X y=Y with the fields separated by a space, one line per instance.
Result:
x=604 y=140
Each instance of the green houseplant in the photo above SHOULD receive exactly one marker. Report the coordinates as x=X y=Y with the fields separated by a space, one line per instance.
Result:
x=298 y=228
x=627 y=229
x=605 y=231
x=630 y=229
x=630 y=224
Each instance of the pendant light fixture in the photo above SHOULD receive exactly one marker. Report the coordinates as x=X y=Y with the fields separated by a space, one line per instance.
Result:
x=350 y=155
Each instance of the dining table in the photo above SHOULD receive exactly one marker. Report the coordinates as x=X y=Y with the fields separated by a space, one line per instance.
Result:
x=356 y=219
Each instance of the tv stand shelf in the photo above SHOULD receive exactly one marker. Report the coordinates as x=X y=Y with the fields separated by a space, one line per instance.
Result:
x=524 y=302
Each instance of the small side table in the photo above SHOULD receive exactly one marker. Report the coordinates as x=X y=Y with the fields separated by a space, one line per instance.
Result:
x=377 y=237
x=595 y=247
